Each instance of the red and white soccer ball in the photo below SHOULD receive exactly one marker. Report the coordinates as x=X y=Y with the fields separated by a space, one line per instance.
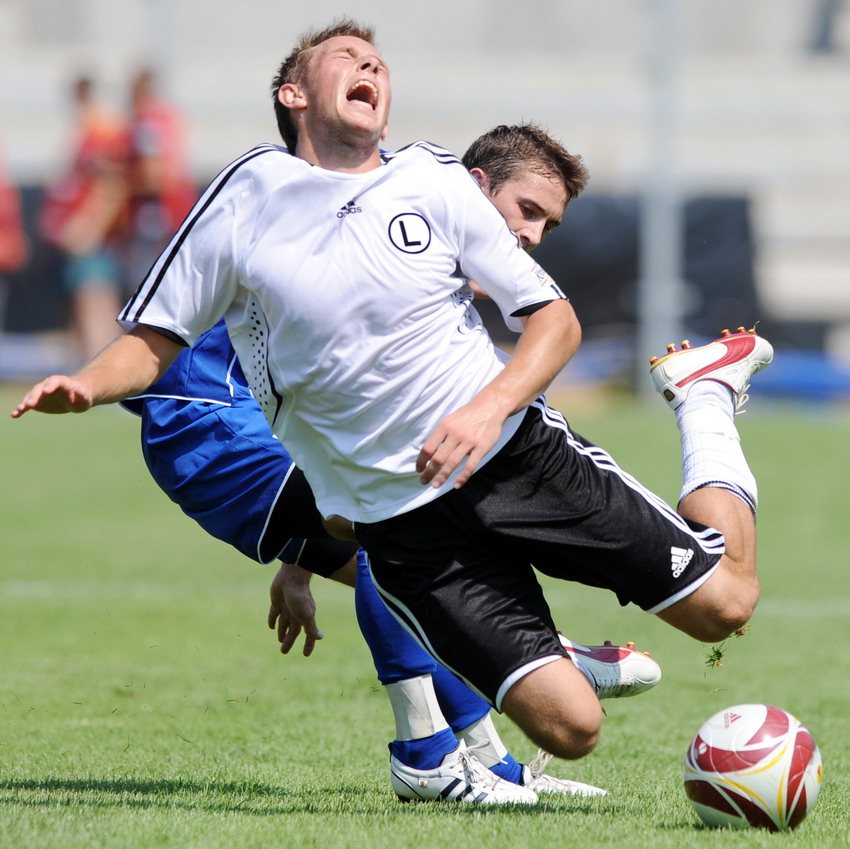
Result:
x=753 y=765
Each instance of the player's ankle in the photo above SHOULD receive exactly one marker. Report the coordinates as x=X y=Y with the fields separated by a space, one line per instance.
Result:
x=426 y=752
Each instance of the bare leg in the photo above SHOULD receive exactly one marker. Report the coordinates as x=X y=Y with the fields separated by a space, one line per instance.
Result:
x=727 y=599
x=557 y=708
x=719 y=491
x=94 y=319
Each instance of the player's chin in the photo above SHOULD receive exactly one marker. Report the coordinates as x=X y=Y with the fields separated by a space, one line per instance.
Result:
x=365 y=120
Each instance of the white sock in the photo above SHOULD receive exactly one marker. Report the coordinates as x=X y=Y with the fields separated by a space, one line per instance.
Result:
x=711 y=446
x=483 y=733
x=415 y=708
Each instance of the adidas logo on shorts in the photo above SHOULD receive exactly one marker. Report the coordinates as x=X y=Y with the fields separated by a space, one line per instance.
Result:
x=679 y=559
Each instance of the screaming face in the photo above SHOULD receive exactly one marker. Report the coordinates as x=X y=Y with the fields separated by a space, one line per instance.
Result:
x=364 y=91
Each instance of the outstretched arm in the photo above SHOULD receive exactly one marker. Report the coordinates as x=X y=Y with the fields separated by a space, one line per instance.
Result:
x=124 y=368
x=549 y=340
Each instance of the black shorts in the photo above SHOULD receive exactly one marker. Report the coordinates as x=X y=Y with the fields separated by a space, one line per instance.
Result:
x=458 y=571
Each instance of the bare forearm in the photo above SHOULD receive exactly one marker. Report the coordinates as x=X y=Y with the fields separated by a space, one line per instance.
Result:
x=127 y=366
x=549 y=341
x=551 y=337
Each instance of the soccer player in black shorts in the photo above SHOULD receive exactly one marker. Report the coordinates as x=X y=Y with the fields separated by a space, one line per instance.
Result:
x=391 y=427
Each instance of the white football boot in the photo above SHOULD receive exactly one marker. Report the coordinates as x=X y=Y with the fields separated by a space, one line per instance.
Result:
x=619 y=671
x=461 y=777
x=535 y=777
x=731 y=360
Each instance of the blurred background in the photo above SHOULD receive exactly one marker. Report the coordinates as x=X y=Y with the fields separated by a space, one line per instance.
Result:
x=717 y=135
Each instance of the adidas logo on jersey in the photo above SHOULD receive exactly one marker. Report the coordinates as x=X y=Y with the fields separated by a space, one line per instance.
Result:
x=349 y=209
x=679 y=559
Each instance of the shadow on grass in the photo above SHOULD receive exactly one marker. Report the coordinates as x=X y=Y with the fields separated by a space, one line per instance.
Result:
x=252 y=798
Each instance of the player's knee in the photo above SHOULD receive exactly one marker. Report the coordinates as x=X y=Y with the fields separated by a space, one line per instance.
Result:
x=737 y=609
x=569 y=734
x=564 y=721
x=717 y=609
x=721 y=620
x=572 y=741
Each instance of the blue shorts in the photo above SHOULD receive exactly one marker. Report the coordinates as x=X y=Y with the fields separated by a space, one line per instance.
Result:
x=226 y=470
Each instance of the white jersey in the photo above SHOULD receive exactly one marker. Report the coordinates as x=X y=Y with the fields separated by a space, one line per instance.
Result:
x=345 y=297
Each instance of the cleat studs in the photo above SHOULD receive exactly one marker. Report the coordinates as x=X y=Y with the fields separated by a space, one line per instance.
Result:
x=653 y=360
x=686 y=345
x=671 y=348
x=726 y=333
x=742 y=329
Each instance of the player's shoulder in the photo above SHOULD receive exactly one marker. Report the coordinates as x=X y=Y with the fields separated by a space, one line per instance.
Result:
x=252 y=177
x=258 y=161
x=423 y=152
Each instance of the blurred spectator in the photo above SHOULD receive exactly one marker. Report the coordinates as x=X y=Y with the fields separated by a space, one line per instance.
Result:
x=825 y=17
x=160 y=186
x=13 y=243
x=83 y=215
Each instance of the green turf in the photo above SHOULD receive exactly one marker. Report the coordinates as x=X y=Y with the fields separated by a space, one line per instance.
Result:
x=143 y=702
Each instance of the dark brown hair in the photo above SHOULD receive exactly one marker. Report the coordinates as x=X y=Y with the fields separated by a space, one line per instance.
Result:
x=505 y=150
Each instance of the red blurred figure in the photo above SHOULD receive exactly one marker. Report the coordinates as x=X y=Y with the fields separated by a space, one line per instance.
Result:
x=83 y=215
x=13 y=243
x=160 y=187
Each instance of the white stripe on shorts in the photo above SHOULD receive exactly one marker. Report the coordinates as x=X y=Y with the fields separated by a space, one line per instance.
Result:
x=709 y=540
x=408 y=621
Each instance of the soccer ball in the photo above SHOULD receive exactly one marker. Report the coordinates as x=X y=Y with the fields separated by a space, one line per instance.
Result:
x=753 y=765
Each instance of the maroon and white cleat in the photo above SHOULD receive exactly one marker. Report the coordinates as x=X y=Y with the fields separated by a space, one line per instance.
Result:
x=619 y=671
x=731 y=360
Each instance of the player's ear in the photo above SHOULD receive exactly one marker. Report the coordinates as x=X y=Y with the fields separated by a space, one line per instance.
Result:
x=292 y=96
x=482 y=179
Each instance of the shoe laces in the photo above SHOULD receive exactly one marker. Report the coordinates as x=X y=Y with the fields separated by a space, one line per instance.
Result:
x=740 y=400
x=476 y=771
x=537 y=766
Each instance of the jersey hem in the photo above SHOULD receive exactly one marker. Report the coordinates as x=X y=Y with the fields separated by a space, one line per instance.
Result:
x=429 y=493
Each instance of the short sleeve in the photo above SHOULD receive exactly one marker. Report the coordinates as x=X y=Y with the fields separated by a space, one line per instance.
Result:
x=491 y=256
x=195 y=279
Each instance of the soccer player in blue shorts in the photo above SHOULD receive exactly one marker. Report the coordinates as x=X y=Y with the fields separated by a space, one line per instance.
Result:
x=207 y=444
x=341 y=271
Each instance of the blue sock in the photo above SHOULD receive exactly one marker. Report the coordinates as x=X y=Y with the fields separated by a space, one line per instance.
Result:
x=460 y=706
x=394 y=652
x=427 y=752
x=508 y=769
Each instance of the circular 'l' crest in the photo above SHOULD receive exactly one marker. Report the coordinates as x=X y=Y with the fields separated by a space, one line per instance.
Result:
x=410 y=232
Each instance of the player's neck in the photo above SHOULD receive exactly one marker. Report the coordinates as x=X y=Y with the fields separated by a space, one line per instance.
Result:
x=334 y=156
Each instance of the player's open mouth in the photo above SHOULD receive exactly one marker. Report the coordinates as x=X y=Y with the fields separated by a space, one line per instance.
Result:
x=364 y=92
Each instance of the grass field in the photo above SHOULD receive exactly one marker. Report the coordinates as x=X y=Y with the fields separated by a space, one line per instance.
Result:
x=143 y=702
